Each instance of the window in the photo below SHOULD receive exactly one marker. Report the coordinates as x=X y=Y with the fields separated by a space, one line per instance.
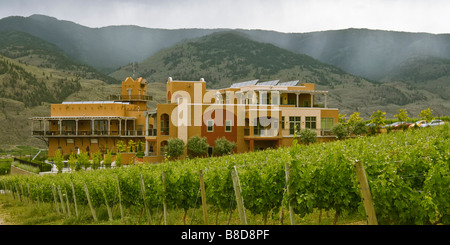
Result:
x=310 y=122
x=210 y=126
x=327 y=123
x=282 y=122
x=294 y=125
x=227 y=125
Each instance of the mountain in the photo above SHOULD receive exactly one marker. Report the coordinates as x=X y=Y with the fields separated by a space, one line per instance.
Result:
x=35 y=73
x=424 y=72
x=362 y=52
x=226 y=57
x=103 y=48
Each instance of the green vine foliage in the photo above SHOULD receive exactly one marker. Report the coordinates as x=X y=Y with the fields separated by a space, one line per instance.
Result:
x=408 y=174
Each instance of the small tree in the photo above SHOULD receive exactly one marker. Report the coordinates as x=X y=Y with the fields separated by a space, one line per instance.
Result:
x=341 y=118
x=426 y=114
x=108 y=159
x=223 y=146
x=354 y=118
x=307 y=136
x=140 y=149
x=175 y=147
x=359 y=128
x=197 y=146
x=59 y=161
x=96 y=160
x=83 y=160
x=131 y=146
x=378 y=118
x=72 y=162
x=340 y=131
x=118 y=162
x=402 y=115
x=120 y=146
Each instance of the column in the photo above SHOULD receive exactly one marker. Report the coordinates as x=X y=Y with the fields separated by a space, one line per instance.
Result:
x=92 y=127
x=44 y=127
x=146 y=125
x=298 y=99
x=325 y=104
x=146 y=148
x=108 y=127
x=60 y=127
x=312 y=101
x=76 y=126
x=120 y=126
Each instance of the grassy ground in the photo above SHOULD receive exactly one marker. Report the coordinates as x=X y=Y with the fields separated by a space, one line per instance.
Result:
x=14 y=212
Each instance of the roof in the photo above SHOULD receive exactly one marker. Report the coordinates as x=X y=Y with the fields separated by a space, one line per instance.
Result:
x=246 y=83
x=291 y=83
x=269 y=83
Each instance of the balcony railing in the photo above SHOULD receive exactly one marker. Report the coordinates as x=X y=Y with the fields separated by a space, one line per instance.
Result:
x=89 y=133
x=265 y=132
x=152 y=132
x=130 y=97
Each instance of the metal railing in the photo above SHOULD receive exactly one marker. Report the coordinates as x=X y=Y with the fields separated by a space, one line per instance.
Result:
x=130 y=97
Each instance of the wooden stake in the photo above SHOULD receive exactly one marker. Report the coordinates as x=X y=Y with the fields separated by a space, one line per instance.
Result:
x=107 y=205
x=202 y=188
x=74 y=199
x=239 y=200
x=365 y=191
x=94 y=215
x=164 y=197
x=288 y=191
x=54 y=197
x=149 y=217
x=120 y=199
x=67 y=202
x=62 y=200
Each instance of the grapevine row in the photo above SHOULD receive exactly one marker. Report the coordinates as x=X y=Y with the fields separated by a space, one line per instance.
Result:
x=408 y=173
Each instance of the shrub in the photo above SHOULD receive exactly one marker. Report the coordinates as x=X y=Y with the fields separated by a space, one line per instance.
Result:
x=175 y=147
x=340 y=131
x=307 y=136
x=223 y=146
x=359 y=128
x=197 y=146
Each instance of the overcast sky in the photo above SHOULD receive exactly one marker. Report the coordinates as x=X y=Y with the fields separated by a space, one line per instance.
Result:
x=432 y=16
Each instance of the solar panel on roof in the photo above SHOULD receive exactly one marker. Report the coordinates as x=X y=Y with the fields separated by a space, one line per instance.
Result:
x=291 y=83
x=269 y=83
x=246 y=83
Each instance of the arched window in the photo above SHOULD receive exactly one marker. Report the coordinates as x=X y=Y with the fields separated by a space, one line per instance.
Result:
x=164 y=124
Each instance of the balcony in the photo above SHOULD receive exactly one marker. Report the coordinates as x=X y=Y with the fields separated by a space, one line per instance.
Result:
x=265 y=132
x=50 y=133
x=130 y=97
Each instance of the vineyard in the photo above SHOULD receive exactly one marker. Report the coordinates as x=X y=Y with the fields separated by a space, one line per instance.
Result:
x=408 y=174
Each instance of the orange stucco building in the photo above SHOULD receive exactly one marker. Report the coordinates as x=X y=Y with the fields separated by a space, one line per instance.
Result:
x=255 y=115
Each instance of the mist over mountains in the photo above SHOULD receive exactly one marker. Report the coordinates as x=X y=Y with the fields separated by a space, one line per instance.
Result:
x=367 y=53
x=363 y=69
